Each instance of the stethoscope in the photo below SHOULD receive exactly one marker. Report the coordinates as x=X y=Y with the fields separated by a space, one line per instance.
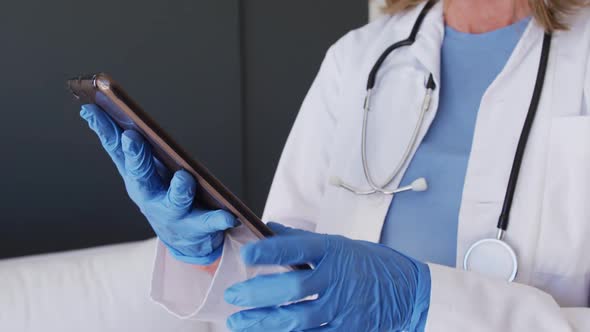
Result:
x=491 y=256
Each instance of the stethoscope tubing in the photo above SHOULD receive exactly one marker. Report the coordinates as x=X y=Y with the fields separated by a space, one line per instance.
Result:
x=409 y=147
x=504 y=218
x=371 y=81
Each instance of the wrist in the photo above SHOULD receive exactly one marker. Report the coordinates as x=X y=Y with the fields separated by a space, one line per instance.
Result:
x=210 y=269
x=204 y=261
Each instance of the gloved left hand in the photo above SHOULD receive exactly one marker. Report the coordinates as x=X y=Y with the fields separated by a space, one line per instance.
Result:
x=192 y=234
x=361 y=286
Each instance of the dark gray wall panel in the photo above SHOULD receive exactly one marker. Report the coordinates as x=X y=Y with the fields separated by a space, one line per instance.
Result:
x=284 y=43
x=179 y=58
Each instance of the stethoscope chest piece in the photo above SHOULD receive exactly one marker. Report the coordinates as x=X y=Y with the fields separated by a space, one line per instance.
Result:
x=493 y=258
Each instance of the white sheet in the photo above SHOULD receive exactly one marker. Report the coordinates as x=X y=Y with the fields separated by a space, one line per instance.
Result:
x=100 y=289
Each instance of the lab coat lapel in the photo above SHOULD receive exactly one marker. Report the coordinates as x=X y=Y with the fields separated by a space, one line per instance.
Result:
x=401 y=80
x=498 y=127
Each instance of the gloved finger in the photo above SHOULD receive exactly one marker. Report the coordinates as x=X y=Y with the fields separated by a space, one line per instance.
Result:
x=139 y=164
x=276 y=289
x=294 y=317
x=200 y=230
x=211 y=221
x=197 y=234
x=281 y=229
x=285 y=250
x=181 y=192
x=107 y=131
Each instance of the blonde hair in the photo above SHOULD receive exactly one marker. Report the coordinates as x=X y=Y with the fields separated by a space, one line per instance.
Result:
x=548 y=13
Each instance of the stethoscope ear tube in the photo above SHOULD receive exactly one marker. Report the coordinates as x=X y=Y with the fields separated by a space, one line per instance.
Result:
x=419 y=184
x=380 y=188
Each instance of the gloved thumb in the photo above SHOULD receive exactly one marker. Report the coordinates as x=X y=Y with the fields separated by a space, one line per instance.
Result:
x=291 y=247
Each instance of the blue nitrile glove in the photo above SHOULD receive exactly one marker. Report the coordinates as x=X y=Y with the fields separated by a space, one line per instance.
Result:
x=192 y=235
x=361 y=286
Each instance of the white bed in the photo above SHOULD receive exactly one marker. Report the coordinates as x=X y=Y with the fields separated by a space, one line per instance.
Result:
x=99 y=289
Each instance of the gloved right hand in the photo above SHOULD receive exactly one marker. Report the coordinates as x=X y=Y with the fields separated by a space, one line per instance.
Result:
x=192 y=235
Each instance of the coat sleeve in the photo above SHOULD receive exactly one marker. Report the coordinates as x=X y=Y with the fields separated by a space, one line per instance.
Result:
x=464 y=301
x=188 y=292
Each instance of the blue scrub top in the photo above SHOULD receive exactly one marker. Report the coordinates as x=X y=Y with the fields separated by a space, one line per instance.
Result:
x=423 y=225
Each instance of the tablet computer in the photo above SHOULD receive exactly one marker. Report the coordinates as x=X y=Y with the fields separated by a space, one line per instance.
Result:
x=102 y=90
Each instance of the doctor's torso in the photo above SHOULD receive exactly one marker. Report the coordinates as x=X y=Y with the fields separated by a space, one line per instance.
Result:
x=550 y=220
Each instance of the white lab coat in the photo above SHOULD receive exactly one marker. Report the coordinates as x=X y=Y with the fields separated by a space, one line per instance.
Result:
x=550 y=221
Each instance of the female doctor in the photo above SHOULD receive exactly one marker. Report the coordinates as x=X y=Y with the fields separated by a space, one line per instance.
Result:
x=454 y=133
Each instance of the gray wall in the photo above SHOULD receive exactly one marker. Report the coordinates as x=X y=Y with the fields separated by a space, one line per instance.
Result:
x=224 y=77
x=284 y=45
